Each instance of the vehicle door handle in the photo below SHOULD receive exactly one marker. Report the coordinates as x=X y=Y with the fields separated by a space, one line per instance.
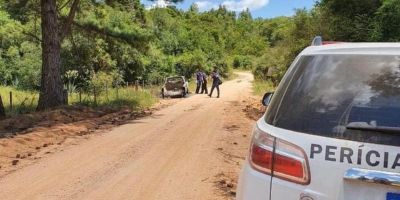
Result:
x=372 y=176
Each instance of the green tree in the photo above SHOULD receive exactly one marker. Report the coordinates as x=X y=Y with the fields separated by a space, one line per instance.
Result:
x=349 y=20
x=387 y=24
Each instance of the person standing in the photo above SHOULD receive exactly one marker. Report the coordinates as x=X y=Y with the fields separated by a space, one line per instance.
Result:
x=199 y=81
x=204 y=89
x=216 y=81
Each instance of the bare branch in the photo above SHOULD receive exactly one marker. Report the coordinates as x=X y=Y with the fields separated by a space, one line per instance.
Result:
x=69 y=20
x=63 y=6
x=33 y=36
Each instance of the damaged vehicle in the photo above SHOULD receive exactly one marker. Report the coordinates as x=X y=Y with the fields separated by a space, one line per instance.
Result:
x=176 y=86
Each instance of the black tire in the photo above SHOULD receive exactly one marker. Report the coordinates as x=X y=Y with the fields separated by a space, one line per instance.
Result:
x=183 y=94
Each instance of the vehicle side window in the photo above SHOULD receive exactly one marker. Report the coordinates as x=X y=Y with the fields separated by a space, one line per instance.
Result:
x=276 y=100
x=329 y=95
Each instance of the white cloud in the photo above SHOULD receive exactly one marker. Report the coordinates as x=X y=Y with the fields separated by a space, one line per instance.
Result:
x=206 y=5
x=234 y=5
x=159 y=4
x=245 y=4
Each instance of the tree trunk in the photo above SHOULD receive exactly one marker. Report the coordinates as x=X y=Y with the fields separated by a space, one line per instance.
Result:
x=51 y=87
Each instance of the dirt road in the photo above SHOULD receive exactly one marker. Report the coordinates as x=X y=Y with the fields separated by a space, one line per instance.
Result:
x=190 y=150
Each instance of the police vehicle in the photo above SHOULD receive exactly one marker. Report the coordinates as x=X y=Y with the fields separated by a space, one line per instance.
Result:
x=332 y=128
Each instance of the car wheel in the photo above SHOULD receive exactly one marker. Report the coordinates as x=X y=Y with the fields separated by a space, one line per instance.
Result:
x=184 y=93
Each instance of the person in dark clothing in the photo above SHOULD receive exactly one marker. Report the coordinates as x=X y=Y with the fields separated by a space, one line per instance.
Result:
x=216 y=82
x=204 y=89
x=199 y=81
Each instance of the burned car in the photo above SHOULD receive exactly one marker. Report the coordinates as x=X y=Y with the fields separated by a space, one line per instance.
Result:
x=175 y=86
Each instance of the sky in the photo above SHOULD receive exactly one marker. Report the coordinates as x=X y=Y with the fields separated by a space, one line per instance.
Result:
x=258 y=8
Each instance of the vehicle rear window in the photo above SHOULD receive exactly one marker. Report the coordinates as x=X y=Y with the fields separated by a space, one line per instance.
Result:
x=175 y=80
x=326 y=95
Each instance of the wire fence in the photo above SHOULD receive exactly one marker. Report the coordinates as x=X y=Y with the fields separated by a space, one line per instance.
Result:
x=131 y=93
x=102 y=95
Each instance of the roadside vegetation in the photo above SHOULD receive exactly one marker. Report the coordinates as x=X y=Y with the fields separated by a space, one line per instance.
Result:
x=112 y=43
x=158 y=43
x=22 y=101
x=132 y=97
x=260 y=87
x=334 y=20
x=115 y=43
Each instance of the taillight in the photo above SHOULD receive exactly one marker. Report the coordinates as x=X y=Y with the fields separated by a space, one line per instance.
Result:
x=279 y=158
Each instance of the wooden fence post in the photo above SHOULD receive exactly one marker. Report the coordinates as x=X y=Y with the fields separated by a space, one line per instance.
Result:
x=11 y=101
x=107 y=92
x=32 y=101
x=95 y=97
x=80 y=95
x=117 y=92
x=2 y=109
x=66 y=97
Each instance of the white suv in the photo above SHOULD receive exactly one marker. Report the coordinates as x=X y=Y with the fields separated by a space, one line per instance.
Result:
x=332 y=128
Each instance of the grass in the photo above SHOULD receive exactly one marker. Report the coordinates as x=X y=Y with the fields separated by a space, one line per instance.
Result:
x=260 y=87
x=22 y=101
x=192 y=86
x=26 y=101
x=116 y=98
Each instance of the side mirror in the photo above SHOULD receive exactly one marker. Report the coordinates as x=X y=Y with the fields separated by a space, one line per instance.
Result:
x=267 y=98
